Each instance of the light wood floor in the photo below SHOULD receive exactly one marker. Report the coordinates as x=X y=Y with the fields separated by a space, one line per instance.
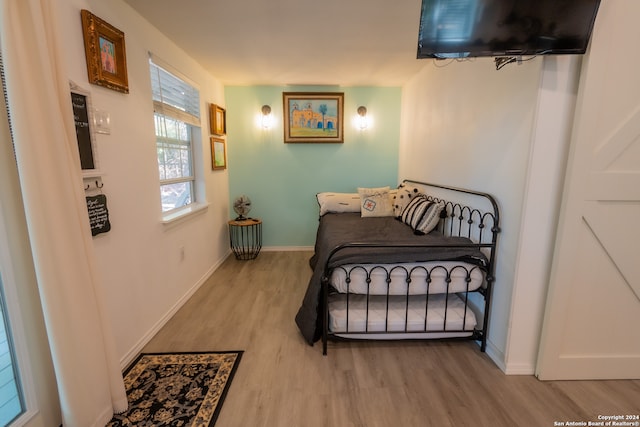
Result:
x=282 y=381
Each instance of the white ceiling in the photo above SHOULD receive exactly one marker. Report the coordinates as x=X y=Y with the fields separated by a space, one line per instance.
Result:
x=294 y=42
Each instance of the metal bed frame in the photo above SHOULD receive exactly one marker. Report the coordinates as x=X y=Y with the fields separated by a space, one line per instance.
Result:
x=458 y=218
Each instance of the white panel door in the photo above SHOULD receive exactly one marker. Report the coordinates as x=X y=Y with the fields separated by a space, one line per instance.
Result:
x=592 y=319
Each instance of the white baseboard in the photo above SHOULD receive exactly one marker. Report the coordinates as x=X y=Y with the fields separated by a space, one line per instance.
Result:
x=287 y=248
x=520 y=369
x=496 y=355
x=137 y=348
x=508 y=368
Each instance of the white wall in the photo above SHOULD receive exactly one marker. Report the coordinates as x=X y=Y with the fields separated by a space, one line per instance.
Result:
x=139 y=260
x=467 y=125
x=543 y=191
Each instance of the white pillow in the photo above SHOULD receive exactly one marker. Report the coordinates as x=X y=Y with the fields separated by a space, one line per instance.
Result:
x=421 y=214
x=338 y=202
x=403 y=195
x=375 y=202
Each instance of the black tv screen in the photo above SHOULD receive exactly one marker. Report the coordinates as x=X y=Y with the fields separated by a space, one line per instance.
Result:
x=472 y=28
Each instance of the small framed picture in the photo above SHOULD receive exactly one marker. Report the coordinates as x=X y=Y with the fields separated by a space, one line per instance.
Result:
x=313 y=116
x=105 y=53
x=218 y=153
x=217 y=120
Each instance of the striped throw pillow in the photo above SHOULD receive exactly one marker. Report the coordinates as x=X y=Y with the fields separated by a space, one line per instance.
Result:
x=422 y=215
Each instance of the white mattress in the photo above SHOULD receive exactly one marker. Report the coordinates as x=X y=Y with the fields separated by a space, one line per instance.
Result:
x=377 y=320
x=417 y=272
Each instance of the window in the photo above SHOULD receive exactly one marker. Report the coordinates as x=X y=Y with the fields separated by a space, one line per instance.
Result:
x=11 y=401
x=17 y=398
x=177 y=117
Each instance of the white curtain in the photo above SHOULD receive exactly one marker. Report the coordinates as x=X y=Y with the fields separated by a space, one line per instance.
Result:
x=85 y=360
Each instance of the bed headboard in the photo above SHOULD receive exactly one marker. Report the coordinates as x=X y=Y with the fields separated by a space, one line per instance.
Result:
x=467 y=213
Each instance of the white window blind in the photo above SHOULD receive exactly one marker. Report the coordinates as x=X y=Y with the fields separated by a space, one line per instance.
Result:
x=174 y=97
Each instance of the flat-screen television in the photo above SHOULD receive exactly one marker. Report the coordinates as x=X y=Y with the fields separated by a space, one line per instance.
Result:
x=472 y=28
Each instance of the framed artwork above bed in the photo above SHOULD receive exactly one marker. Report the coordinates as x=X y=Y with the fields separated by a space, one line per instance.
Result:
x=313 y=116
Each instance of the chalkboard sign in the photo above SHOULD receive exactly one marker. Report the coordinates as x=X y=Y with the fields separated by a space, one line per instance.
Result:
x=83 y=132
x=98 y=214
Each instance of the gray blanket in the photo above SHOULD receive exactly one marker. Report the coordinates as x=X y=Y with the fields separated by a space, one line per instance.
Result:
x=395 y=242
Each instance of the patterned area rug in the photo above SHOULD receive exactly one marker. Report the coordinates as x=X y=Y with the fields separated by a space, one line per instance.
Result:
x=177 y=389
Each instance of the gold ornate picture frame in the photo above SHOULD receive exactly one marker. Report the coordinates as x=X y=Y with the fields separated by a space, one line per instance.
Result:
x=218 y=153
x=105 y=53
x=313 y=116
x=217 y=120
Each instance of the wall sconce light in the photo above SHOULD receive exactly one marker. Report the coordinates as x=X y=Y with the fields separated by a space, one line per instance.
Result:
x=266 y=116
x=362 y=117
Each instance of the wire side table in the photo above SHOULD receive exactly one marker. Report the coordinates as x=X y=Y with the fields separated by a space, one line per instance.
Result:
x=245 y=238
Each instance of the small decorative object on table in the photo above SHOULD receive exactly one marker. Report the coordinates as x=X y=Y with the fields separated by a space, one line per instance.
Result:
x=245 y=234
x=242 y=206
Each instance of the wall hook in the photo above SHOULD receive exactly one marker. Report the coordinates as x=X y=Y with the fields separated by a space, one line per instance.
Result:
x=99 y=185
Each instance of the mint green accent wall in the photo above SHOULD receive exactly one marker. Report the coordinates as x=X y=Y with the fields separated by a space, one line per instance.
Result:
x=283 y=179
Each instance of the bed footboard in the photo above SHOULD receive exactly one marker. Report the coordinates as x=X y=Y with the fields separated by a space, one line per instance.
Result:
x=434 y=299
